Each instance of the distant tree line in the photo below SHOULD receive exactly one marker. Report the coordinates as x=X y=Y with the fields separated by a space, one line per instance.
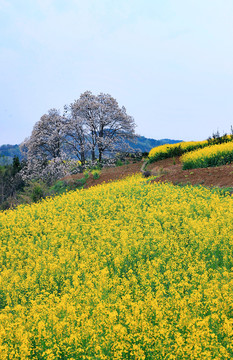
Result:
x=8 y=152
x=11 y=182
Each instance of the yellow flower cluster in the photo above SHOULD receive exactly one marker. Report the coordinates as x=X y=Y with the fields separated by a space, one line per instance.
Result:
x=214 y=155
x=125 y=270
x=170 y=150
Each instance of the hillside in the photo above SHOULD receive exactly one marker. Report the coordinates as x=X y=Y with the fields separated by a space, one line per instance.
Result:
x=125 y=270
x=220 y=176
x=131 y=269
x=166 y=171
x=7 y=153
x=144 y=144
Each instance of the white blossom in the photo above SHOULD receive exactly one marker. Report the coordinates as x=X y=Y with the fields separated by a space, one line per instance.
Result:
x=90 y=125
x=101 y=123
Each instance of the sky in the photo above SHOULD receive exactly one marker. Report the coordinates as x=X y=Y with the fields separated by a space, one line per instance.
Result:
x=169 y=62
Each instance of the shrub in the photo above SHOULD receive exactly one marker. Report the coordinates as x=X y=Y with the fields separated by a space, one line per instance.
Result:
x=119 y=162
x=80 y=182
x=86 y=174
x=59 y=187
x=96 y=174
x=37 y=192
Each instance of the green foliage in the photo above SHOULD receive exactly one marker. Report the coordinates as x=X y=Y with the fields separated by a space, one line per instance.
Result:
x=86 y=174
x=34 y=191
x=98 y=166
x=16 y=166
x=10 y=183
x=61 y=187
x=96 y=174
x=58 y=188
x=80 y=182
x=119 y=162
x=37 y=192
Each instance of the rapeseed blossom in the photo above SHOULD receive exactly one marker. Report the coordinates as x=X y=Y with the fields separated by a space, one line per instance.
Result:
x=125 y=270
x=170 y=150
x=214 y=155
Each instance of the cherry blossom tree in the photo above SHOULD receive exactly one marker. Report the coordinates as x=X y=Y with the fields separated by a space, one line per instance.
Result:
x=47 y=138
x=75 y=128
x=104 y=125
x=90 y=125
x=45 y=144
x=86 y=107
x=113 y=125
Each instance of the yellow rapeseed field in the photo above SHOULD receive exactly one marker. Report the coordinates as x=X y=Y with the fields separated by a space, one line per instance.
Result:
x=170 y=150
x=125 y=270
x=214 y=155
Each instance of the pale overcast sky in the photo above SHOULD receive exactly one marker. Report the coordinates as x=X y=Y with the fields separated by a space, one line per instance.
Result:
x=170 y=63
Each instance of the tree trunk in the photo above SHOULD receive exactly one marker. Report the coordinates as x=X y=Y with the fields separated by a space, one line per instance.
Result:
x=100 y=155
x=82 y=158
x=100 y=145
x=93 y=154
